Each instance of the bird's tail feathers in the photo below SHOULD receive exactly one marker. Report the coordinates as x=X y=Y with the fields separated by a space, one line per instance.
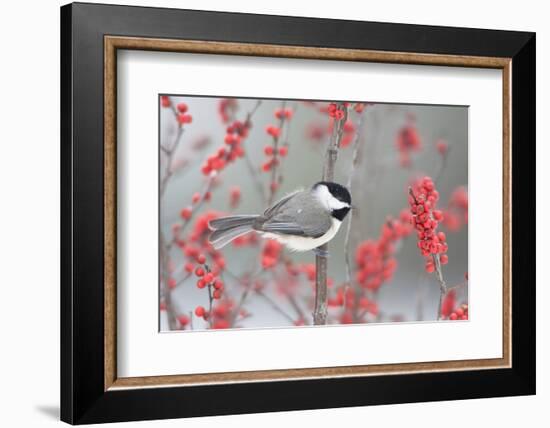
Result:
x=231 y=221
x=226 y=229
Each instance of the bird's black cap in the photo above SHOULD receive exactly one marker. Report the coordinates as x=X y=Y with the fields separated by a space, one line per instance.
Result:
x=337 y=190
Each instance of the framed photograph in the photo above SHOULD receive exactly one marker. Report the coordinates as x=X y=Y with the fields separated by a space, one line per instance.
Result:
x=265 y=213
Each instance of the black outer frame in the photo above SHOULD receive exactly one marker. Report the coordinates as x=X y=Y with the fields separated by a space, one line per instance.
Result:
x=83 y=399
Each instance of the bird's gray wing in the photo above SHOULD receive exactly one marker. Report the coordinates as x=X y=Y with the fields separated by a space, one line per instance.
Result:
x=279 y=204
x=300 y=216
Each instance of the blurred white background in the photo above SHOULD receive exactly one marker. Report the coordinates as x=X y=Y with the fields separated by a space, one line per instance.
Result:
x=29 y=168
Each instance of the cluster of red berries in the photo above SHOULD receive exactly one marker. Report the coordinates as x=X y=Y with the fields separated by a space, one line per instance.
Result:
x=222 y=313
x=460 y=313
x=273 y=151
x=345 y=296
x=196 y=245
x=227 y=107
x=273 y=155
x=182 y=115
x=187 y=212
x=284 y=113
x=425 y=218
x=407 y=141
x=335 y=112
x=375 y=259
x=449 y=309
x=236 y=133
x=271 y=253
x=456 y=214
x=209 y=278
x=181 y=110
x=348 y=134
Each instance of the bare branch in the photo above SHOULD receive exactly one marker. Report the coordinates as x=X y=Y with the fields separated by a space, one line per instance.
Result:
x=321 y=262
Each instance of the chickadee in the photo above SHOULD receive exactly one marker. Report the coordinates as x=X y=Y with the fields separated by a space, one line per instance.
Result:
x=303 y=220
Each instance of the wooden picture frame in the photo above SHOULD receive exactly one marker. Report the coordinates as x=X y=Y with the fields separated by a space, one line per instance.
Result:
x=91 y=390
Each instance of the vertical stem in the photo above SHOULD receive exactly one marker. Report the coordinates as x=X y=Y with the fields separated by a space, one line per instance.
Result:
x=354 y=162
x=166 y=292
x=442 y=284
x=321 y=262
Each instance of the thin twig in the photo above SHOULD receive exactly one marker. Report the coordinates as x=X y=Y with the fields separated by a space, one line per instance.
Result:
x=210 y=298
x=164 y=251
x=255 y=177
x=253 y=172
x=321 y=262
x=354 y=163
x=166 y=292
x=442 y=284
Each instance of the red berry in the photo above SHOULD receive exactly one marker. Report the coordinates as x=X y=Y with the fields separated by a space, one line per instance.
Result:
x=201 y=283
x=201 y=258
x=208 y=277
x=218 y=284
x=199 y=271
x=189 y=267
x=200 y=311
x=184 y=118
x=444 y=258
x=268 y=150
x=266 y=166
x=165 y=101
x=184 y=320
x=186 y=213
x=453 y=316
x=283 y=151
x=217 y=294
x=182 y=107
x=430 y=267
x=172 y=283
x=274 y=131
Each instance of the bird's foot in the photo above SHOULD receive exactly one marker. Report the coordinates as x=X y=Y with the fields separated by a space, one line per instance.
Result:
x=321 y=252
